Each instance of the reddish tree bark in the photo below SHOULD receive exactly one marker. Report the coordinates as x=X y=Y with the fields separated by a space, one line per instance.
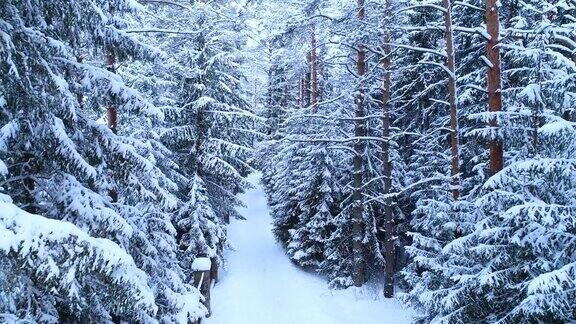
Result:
x=494 y=81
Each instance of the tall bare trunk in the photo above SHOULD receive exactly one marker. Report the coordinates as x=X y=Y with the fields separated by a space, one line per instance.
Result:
x=112 y=114
x=494 y=81
x=314 y=69
x=450 y=63
x=389 y=226
x=359 y=149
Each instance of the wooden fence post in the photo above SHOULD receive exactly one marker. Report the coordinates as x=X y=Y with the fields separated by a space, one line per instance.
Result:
x=214 y=269
x=202 y=279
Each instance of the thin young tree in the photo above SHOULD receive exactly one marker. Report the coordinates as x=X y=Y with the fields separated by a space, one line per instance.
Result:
x=452 y=93
x=358 y=161
x=389 y=228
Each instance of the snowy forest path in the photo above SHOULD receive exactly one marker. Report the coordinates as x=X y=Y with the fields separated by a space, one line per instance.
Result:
x=262 y=286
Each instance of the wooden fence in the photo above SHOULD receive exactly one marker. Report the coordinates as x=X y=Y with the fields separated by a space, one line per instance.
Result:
x=205 y=276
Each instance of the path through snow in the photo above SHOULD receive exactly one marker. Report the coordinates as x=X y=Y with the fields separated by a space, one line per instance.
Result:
x=262 y=286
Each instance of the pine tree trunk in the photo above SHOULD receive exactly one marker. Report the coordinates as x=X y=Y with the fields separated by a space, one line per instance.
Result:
x=303 y=92
x=314 y=69
x=307 y=87
x=537 y=112
x=285 y=99
x=29 y=183
x=359 y=148
x=111 y=111
x=451 y=64
x=389 y=226
x=80 y=95
x=494 y=81
x=112 y=115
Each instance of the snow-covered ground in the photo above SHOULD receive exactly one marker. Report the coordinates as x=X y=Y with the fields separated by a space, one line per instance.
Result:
x=262 y=286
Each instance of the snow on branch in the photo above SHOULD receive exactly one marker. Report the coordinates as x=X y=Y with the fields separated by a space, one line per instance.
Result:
x=61 y=256
x=166 y=2
x=163 y=31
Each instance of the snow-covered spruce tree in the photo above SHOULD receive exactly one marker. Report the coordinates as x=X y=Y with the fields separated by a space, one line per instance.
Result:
x=43 y=260
x=437 y=219
x=286 y=93
x=51 y=104
x=308 y=240
x=205 y=140
x=307 y=196
x=517 y=263
x=283 y=196
x=166 y=26
x=337 y=264
x=207 y=121
x=429 y=102
x=279 y=92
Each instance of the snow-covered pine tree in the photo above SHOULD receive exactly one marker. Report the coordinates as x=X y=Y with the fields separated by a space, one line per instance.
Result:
x=53 y=139
x=432 y=217
x=437 y=218
x=208 y=123
x=42 y=260
x=308 y=241
x=516 y=264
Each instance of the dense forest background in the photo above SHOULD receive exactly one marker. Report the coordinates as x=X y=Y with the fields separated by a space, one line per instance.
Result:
x=128 y=120
x=428 y=144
